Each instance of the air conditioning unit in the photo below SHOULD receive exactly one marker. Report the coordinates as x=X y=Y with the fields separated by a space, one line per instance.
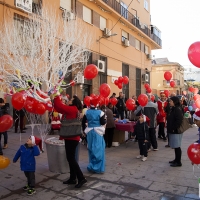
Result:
x=68 y=15
x=126 y=43
x=101 y=65
x=149 y=56
x=80 y=78
x=106 y=32
x=145 y=77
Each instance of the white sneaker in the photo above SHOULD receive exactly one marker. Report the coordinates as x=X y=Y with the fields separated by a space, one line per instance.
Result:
x=155 y=149
x=140 y=156
x=149 y=150
x=144 y=159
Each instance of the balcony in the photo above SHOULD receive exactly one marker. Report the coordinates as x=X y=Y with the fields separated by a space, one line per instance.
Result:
x=132 y=19
x=167 y=83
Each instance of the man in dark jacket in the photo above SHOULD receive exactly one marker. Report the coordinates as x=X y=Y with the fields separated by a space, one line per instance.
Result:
x=151 y=111
x=121 y=106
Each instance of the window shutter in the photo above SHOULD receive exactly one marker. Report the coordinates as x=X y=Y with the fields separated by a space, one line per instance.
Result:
x=87 y=15
x=102 y=23
x=124 y=34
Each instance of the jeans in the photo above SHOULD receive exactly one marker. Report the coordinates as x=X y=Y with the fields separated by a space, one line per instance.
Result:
x=5 y=135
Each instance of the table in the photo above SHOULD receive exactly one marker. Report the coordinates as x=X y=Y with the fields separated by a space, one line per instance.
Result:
x=119 y=132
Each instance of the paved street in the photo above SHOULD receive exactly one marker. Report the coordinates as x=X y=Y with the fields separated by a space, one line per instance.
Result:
x=125 y=178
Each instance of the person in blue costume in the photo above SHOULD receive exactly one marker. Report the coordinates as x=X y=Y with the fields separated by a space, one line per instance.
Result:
x=95 y=129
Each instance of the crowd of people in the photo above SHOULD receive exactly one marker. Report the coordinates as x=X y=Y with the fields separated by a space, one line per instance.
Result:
x=98 y=124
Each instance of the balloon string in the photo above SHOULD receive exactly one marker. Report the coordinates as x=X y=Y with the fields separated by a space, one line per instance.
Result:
x=18 y=118
x=194 y=172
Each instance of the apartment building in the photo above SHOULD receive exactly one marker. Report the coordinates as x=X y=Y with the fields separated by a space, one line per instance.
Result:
x=123 y=38
x=158 y=82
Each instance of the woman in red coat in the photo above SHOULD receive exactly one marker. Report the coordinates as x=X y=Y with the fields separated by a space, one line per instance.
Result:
x=70 y=111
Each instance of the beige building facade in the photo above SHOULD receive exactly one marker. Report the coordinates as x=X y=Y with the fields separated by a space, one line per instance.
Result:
x=158 y=82
x=123 y=38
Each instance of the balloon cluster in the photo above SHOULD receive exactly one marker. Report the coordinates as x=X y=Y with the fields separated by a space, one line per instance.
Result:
x=196 y=97
x=168 y=76
x=147 y=87
x=120 y=81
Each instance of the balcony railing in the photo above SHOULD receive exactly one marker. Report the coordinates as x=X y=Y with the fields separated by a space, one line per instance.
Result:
x=132 y=19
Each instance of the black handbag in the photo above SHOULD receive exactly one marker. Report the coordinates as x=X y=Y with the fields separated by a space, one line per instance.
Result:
x=70 y=127
x=185 y=125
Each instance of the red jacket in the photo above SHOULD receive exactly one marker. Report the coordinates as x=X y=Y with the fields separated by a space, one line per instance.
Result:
x=161 y=117
x=69 y=111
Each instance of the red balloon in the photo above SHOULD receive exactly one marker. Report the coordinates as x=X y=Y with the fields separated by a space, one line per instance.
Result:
x=146 y=86
x=87 y=100
x=149 y=90
x=120 y=79
x=90 y=71
x=31 y=104
x=94 y=101
x=72 y=82
x=49 y=106
x=6 y=122
x=152 y=97
x=104 y=90
x=116 y=82
x=120 y=85
x=191 y=89
x=130 y=104
x=196 y=96
x=106 y=101
x=93 y=95
x=125 y=80
x=167 y=76
x=194 y=153
x=194 y=54
x=113 y=101
x=166 y=92
x=197 y=103
x=172 y=83
x=195 y=90
x=18 y=100
x=143 y=99
x=40 y=109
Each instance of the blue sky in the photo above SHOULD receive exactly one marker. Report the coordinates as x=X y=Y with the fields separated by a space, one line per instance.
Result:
x=179 y=22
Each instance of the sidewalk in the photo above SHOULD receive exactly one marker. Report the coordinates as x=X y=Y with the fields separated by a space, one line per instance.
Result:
x=125 y=178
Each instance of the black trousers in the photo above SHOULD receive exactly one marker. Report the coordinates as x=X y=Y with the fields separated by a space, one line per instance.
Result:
x=20 y=124
x=75 y=171
x=161 y=130
x=108 y=136
x=143 y=148
x=121 y=114
x=152 y=139
x=178 y=154
x=30 y=178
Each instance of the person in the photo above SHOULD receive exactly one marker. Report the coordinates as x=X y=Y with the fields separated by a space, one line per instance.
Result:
x=151 y=111
x=191 y=109
x=110 y=126
x=27 y=153
x=161 y=117
x=114 y=110
x=184 y=102
x=141 y=131
x=95 y=130
x=71 y=111
x=196 y=117
x=113 y=95
x=19 y=120
x=121 y=107
x=174 y=120
x=4 y=109
x=135 y=99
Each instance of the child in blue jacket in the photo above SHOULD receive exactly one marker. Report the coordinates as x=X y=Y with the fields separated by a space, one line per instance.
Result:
x=27 y=153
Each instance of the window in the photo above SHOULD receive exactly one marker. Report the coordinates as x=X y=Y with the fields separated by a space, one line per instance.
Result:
x=137 y=44
x=87 y=15
x=146 y=5
x=124 y=35
x=102 y=23
x=66 y=4
x=146 y=49
x=124 y=10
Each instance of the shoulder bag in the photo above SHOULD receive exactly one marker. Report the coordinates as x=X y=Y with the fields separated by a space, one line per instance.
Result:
x=70 y=127
x=185 y=125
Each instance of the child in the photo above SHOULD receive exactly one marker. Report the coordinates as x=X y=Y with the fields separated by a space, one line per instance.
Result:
x=142 y=133
x=27 y=152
